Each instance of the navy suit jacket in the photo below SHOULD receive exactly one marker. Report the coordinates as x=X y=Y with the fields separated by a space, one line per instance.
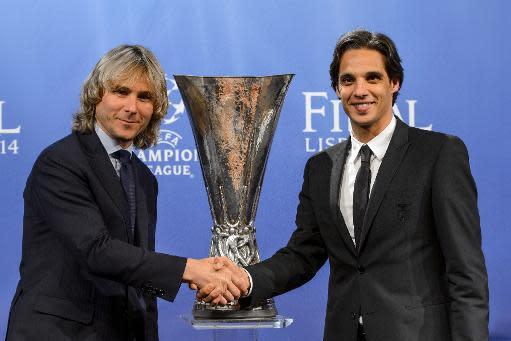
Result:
x=82 y=277
x=419 y=273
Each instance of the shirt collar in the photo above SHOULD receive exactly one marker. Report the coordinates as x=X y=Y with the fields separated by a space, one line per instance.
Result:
x=111 y=145
x=379 y=144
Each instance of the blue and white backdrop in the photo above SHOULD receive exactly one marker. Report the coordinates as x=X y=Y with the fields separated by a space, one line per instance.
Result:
x=456 y=59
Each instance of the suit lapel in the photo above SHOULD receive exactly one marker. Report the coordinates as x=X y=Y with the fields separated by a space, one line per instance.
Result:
x=391 y=161
x=102 y=167
x=336 y=173
x=142 y=219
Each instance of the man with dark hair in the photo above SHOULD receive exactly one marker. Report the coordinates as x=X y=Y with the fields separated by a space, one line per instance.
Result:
x=393 y=209
x=88 y=268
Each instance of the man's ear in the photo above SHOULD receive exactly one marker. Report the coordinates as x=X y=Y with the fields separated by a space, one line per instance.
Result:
x=395 y=85
x=338 y=92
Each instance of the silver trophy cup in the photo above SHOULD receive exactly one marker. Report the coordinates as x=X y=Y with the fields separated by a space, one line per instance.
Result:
x=233 y=121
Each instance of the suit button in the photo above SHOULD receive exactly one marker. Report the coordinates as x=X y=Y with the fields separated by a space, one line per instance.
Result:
x=361 y=269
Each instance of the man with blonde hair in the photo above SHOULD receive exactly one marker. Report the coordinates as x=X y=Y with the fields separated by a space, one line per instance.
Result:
x=88 y=268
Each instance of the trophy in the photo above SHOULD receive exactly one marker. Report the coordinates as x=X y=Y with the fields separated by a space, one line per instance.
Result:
x=233 y=121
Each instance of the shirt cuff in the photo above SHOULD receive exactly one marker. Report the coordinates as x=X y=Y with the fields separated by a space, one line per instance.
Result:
x=250 y=283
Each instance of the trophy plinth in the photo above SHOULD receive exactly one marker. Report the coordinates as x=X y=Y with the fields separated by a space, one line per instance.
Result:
x=233 y=121
x=265 y=309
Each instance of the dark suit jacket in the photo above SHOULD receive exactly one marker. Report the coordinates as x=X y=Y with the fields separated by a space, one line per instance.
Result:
x=82 y=277
x=419 y=274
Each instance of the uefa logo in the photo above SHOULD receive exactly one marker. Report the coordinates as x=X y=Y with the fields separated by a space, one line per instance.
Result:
x=172 y=155
x=176 y=110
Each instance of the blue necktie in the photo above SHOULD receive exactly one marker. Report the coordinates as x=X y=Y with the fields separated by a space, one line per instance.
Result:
x=361 y=191
x=128 y=183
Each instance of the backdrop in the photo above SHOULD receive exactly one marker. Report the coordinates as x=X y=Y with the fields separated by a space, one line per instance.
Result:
x=456 y=60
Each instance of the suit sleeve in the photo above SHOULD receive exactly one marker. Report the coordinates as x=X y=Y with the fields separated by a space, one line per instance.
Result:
x=62 y=194
x=298 y=262
x=458 y=228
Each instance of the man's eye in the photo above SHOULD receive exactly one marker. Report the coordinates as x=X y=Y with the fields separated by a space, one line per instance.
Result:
x=346 y=80
x=145 y=98
x=121 y=92
x=373 y=78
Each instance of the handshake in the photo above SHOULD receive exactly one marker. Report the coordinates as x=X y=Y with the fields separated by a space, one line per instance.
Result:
x=217 y=279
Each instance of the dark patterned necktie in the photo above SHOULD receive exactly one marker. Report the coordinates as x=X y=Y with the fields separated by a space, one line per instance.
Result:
x=361 y=191
x=128 y=183
x=136 y=303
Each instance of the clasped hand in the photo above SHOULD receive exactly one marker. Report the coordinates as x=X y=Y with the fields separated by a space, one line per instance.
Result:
x=216 y=279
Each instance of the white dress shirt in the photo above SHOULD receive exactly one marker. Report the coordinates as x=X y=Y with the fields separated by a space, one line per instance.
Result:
x=378 y=145
x=111 y=147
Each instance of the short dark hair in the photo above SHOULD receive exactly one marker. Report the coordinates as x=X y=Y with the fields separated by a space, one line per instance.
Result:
x=362 y=39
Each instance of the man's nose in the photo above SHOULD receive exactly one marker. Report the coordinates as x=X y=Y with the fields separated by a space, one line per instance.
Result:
x=131 y=103
x=360 y=89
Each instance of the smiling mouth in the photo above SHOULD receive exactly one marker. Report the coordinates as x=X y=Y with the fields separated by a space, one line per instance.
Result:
x=129 y=122
x=362 y=106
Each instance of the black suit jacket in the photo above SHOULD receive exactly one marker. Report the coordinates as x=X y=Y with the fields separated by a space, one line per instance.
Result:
x=82 y=277
x=419 y=274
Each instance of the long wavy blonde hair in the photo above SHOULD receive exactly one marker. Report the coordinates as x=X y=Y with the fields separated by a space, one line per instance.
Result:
x=124 y=63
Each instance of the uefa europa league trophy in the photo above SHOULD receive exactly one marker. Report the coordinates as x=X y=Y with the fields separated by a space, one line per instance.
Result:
x=233 y=121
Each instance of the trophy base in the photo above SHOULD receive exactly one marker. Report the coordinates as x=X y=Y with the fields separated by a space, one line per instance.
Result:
x=265 y=310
